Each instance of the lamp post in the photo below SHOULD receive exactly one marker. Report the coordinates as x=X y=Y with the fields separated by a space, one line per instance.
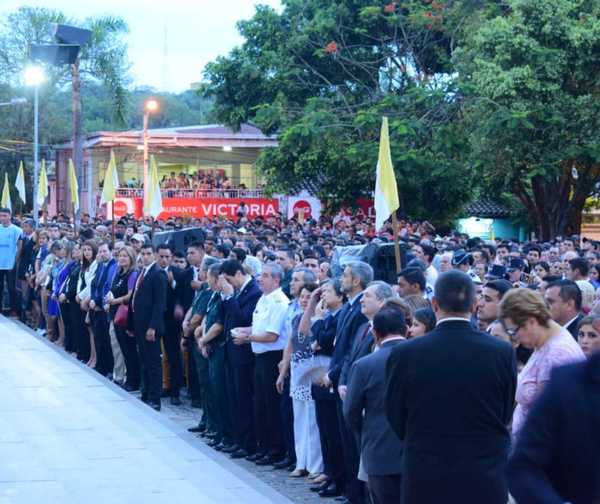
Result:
x=14 y=101
x=34 y=77
x=150 y=106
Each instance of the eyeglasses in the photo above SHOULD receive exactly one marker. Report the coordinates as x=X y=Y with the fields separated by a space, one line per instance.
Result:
x=512 y=332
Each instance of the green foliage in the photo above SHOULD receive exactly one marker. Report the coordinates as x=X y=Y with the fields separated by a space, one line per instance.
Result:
x=533 y=113
x=321 y=74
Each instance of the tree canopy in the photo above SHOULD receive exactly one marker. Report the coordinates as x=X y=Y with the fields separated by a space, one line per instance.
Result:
x=484 y=98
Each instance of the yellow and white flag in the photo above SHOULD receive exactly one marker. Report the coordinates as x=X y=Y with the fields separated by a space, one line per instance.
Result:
x=73 y=186
x=152 y=197
x=42 y=190
x=6 y=194
x=111 y=181
x=386 y=189
x=20 y=183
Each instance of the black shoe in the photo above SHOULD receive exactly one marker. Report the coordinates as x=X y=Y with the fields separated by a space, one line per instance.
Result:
x=213 y=443
x=284 y=464
x=154 y=405
x=267 y=460
x=321 y=487
x=330 y=490
x=130 y=388
x=196 y=403
x=144 y=398
x=230 y=448
x=197 y=429
x=175 y=401
x=241 y=453
x=255 y=456
x=165 y=393
x=342 y=499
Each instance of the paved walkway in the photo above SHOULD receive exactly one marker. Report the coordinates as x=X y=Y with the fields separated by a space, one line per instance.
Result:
x=69 y=436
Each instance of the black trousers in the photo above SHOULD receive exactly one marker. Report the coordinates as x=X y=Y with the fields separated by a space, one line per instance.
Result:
x=129 y=350
x=240 y=390
x=329 y=433
x=267 y=420
x=10 y=277
x=105 y=360
x=172 y=344
x=83 y=344
x=65 y=315
x=355 y=489
x=286 y=412
x=385 y=489
x=76 y=328
x=150 y=365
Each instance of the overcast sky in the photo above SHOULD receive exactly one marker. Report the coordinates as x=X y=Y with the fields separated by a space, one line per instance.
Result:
x=197 y=32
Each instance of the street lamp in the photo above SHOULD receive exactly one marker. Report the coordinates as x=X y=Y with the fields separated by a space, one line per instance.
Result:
x=150 y=106
x=14 y=101
x=34 y=76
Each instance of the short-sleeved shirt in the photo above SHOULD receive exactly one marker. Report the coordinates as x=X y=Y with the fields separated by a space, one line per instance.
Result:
x=214 y=315
x=269 y=316
x=9 y=237
x=200 y=302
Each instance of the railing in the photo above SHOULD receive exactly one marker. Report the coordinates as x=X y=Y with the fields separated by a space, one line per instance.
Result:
x=195 y=193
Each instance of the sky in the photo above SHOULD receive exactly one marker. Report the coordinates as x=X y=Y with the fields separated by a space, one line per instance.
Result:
x=197 y=31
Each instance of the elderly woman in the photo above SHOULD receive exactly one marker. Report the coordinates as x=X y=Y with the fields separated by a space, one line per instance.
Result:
x=526 y=318
x=588 y=335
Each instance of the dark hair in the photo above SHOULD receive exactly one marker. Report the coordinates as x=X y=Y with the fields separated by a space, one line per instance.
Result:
x=196 y=245
x=148 y=245
x=428 y=251
x=427 y=317
x=5 y=210
x=580 y=264
x=536 y=248
x=310 y=287
x=500 y=286
x=551 y=279
x=179 y=254
x=164 y=246
x=223 y=249
x=544 y=265
x=454 y=292
x=240 y=253
x=389 y=320
x=414 y=276
x=569 y=290
x=231 y=267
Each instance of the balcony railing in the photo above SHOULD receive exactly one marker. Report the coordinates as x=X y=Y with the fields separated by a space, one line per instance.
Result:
x=195 y=193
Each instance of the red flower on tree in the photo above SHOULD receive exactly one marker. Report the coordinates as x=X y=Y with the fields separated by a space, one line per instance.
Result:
x=332 y=47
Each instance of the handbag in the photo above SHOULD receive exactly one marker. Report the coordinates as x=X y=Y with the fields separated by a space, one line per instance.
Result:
x=122 y=316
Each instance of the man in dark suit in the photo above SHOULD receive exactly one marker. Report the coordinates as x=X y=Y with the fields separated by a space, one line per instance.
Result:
x=557 y=455
x=357 y=275
x=381 y=450
x=149 y=304
x=173 y=320
x=240 y=293
x=449 y=397
x=564 y=299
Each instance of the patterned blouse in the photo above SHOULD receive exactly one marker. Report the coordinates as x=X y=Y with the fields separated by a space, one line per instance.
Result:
x=559 y=350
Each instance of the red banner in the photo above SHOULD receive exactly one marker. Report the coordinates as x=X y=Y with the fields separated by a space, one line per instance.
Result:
x=206 y=207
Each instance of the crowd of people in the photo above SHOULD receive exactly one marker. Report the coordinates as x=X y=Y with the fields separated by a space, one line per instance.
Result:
x=476 y=373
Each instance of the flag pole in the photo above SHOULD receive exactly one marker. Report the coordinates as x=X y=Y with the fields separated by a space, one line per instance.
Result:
x=113 y=221
x=396 y=242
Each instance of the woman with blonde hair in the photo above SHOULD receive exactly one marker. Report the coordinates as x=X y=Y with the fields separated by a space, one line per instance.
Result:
x=527 y=319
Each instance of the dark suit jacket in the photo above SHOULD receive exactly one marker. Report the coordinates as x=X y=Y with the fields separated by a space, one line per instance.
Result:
x=323 y=331
x=557 y=455
x=362 y=345
x=184 y=294
x=574 y=326
x=238 y=312
x=381 y=449
x=150 y=301
x=350 y=318
x=450 y=397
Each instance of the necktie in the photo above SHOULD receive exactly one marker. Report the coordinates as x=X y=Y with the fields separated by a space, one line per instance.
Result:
x=138 y=284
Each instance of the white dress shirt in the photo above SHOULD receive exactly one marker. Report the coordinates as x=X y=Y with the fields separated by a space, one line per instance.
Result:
x=269 y=317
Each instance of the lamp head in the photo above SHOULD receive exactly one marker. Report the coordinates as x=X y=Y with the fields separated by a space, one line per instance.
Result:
x=34 y=76
x=151 y=105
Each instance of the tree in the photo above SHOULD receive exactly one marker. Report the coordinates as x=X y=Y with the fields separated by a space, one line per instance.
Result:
x=102 y=60
x=533 y=113
x=321 y=75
